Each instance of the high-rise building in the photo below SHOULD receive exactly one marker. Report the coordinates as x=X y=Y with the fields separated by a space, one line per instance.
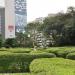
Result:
x=20 y=15
x=15 y=17
x=2 y=21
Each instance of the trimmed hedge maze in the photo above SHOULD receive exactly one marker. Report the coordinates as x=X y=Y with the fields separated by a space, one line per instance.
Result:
x=22 y=60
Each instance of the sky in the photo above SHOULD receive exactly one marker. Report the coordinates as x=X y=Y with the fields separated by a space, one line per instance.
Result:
x=41 y=8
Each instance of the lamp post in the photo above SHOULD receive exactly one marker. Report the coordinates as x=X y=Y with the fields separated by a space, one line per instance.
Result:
x=28 y=35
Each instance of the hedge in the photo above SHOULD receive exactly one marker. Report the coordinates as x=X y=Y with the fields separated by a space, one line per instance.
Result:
x=71 y=56
x=17 y=50
x=19 y=62
x=20 y=50
x=38 y=52
x=60 y=51
x=53 y=66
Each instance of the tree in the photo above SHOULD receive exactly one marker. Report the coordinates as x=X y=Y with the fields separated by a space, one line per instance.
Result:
x=32 y=29
x=71 y=10
x=10 y=42
x=1 y=41
x=23 y=40
x=61 y=27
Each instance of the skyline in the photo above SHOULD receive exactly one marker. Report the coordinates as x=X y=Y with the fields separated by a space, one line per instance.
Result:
x=41 y=8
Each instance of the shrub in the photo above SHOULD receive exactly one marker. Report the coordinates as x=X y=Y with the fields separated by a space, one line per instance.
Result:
x=16 y=50
x=64 y=53
x=1 y=41
x=20 y=50
x=53 y=66
x=19 y=62
x=37 y=51
x=54 y=50
x=71 y=56
x=60 y=51
x=3 y=49
x=11 y=42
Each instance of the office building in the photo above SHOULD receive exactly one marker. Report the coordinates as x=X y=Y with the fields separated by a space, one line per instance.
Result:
x=2 y=21
x=21 y=15
x=15 y=17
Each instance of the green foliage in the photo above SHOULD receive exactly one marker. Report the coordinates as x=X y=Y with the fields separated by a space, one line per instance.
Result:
x=71 y=56
x=20 y=50
x=16 y=50
x=37 y=51
x=61 y=27
x=11 y=42
x=19 y=59
x=19 y=62
x=23 y=40
x=60 y=51
x=1 y=41
x=53 y=66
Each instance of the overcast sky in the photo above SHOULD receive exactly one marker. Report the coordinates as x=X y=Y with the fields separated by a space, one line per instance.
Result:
x=41 y=8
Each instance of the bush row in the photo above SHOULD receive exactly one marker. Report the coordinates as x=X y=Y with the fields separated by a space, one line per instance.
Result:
x=53 y=66
x=16 y=50
x=71 y=56
x=60 y=51
x=64 y=52
x=20 y=50
x=19 y=62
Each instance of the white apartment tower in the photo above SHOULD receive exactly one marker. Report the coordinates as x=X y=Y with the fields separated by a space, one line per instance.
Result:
x=15 y=17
